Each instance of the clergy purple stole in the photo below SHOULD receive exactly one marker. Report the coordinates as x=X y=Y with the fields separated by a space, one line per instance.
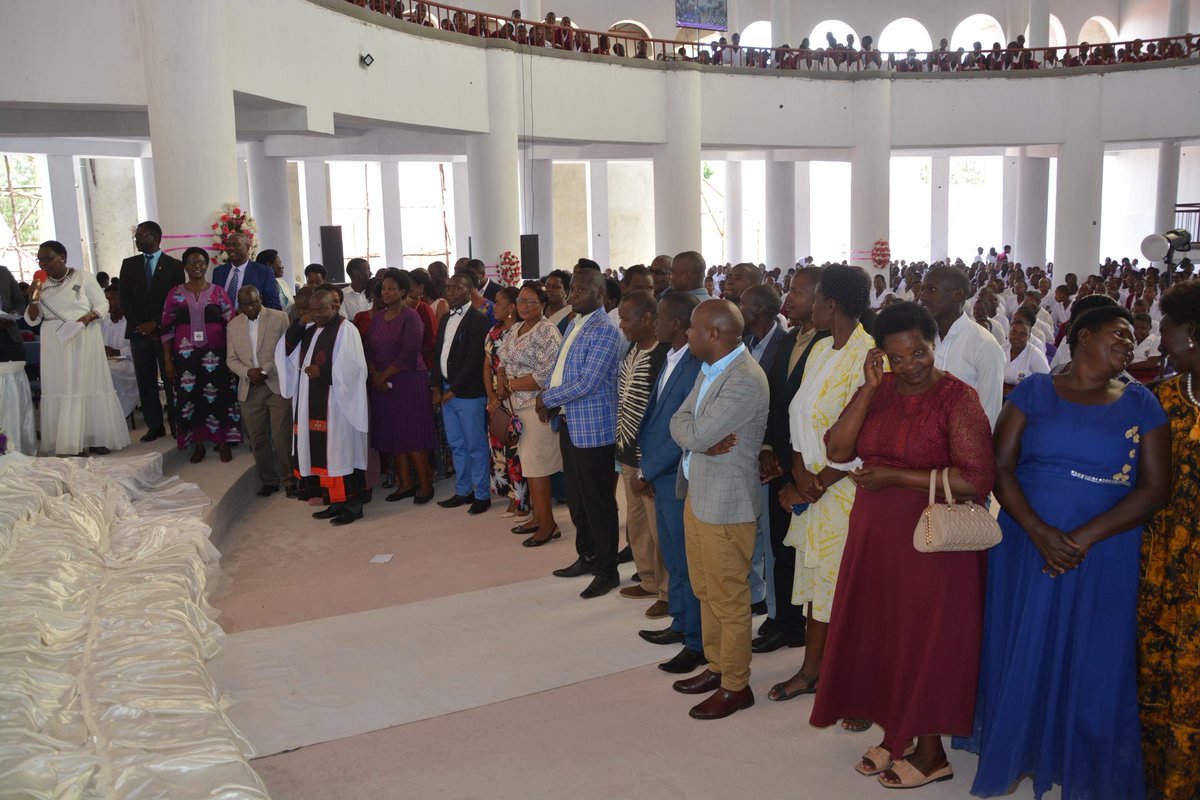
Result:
x=342 y=488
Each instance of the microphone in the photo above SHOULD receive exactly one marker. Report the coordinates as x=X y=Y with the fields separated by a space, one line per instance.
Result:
x=35 y=288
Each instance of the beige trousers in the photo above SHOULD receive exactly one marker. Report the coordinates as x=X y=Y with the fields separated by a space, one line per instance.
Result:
x=642 y=530
x=268 y=421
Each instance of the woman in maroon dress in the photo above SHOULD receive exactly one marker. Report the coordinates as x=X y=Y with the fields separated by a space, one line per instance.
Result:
x=906 y=627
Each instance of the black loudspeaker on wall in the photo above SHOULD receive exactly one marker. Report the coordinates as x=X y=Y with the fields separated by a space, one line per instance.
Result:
x=530 y=265
x=331 y=253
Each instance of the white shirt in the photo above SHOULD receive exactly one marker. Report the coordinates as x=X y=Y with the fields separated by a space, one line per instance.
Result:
x=877 y=301
x=1031 y=361
x=1142 y=351
x=673 y=359
x=240 y=272
x=114 y=335
x=252 y=327
x=453 y=320
x=972 y=355
x=615 y=318
x=353 y=302
x=1059 y=313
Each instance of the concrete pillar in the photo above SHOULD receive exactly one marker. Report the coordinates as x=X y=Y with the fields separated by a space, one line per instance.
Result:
x=462 y=210
x=598 y=212
x=393 y=229
x=1167 y=193
x=190 y=110
x=1008 y=200
x=781 y=214
x=734 y=226
x=314 y=183
x=1177 y=18
x=531 y=11
x=870 y=170
x=803 y=210
x=939 y=208
x=1077 y=211
x=243 y=197
x=143 y=185
x=677 y=166
x=781 y=23
x=537 y=206
x=269 y=202
x=1033 y=190
x=64 y=206
x=492 y=164
x=1039 y=24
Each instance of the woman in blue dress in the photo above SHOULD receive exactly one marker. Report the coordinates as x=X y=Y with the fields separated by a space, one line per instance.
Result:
x=1082 y=460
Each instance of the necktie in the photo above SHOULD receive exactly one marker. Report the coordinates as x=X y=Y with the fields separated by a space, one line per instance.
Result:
x=149 y=269
x=233 y=284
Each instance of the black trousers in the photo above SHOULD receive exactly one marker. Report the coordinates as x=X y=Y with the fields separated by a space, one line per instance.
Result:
x=588 y=474
x=147 y=356
x=788 y=618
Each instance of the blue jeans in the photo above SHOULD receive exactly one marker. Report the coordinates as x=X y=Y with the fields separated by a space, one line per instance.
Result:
x=466 y=432
x=681 y=600
x=758 y=562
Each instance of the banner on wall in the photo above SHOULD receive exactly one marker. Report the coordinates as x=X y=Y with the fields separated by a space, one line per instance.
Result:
x=709 y=15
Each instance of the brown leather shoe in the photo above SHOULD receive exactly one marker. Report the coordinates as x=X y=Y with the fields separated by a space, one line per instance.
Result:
x=658 y=610
x=722 y=703
x=703 y=683
x=636 y=592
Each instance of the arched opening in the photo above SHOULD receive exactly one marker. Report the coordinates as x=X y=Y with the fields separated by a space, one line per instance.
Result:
x=757 y=34
x=839 y=29
x=982 y=28
x=1098 y=30
x=630 y=27
x=1058 y=34
x=903 y=34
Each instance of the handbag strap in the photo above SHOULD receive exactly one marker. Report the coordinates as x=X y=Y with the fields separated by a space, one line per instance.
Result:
x=932 y=486
x=946 y=486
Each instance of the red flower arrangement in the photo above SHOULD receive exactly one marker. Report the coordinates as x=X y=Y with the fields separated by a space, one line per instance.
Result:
x=232 y=219
x=509 y=269
x=881 y=253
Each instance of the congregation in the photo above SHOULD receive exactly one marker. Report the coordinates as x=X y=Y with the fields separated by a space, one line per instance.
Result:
x=773 y=433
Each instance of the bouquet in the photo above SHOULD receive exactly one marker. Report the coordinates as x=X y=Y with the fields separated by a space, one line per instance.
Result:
x=232 y=219
x=881 y=254
x=509 y=269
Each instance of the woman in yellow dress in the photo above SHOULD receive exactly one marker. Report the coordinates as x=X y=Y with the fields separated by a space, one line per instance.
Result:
x=833 y=374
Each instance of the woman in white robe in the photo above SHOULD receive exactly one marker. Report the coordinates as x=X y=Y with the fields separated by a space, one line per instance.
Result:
x=79 y=408
x=1026 y=355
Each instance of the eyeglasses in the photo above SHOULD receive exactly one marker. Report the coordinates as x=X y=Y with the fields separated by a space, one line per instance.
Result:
x=528 y=301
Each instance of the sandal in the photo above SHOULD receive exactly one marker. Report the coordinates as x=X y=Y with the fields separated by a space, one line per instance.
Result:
x=779 y=691
x=225 y=452
x=856 y=724
x=525 y=530
x=880 y=758
x=198 y=454
x=911 y=777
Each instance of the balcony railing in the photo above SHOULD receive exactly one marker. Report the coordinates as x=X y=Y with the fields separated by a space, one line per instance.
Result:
x=836 y=57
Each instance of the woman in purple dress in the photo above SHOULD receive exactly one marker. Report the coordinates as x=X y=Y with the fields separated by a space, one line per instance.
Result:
x=193 y=335
x=401 y=419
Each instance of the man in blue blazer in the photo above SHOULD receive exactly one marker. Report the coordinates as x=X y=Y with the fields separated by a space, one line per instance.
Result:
x=656 y=477
x=240 y=271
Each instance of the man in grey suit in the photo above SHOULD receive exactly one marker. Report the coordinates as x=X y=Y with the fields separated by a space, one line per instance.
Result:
x=250 y=352
x=720 y=427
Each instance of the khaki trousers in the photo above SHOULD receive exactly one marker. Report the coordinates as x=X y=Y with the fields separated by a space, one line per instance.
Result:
x=641 y=527
x=718 y=558
x=268 y=420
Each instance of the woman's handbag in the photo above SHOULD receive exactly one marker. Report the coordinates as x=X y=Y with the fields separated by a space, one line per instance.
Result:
x=953 y=527
x=500 y=425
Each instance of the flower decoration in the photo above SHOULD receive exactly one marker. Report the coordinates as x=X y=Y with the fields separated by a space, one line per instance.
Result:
x=509 y=269
x=881 y=253
x=231 y=219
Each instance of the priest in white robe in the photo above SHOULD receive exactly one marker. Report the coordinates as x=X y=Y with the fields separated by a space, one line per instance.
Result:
x=323 y=371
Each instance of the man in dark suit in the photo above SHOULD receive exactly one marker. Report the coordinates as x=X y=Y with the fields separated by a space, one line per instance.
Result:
x=146 y=280
x=487 y=287
x=458 y=388
x=656 y=477
x=786 y=625
x=240 y=271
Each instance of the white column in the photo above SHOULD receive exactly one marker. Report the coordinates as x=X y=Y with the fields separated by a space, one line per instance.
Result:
x=781 y=23
x=537 y=204
x=1177 y=18
x=1039 y=24
x=598 y=211
x=677 y=167
x=734 y=227
x=243 y=183
x=462 y=210
x=781 y=214
x=1033 y=197
x=269 y=202
x=1167 y=193
x=531 y=10
x=939 y=208
x=143 y=186
x=1077 y=211
x=64 y=206
x=492 y=164
x=1008 y=201
x=803 y=210
x=393 y=233
x=314 y=185
x=870 y=169
x=190 y=109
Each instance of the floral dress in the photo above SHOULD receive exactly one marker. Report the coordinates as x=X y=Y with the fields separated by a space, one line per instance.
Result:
x=507 y=480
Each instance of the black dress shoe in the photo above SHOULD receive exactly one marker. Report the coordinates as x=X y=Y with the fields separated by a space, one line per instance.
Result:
x=582 y=566
x=479 y=507
x=601 y=585
x=456 y=501
x=327 y=513
x=776 y=639
x=665 y=636
x=289 y=491
x=422 y=499
x=401 y=495
x=759 y=608
x=685 y=661
x=636 y=577
x=345 y=517
x=267 y=491
x=625 y=556
x=152 y=434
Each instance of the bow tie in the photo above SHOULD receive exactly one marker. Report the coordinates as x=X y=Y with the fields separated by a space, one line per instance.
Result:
x=454 y=312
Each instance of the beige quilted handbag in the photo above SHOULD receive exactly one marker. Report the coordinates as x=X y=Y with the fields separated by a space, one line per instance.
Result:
x=953 y=527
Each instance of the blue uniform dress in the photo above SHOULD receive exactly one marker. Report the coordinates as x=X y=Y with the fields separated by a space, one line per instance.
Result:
x=1057 y=686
